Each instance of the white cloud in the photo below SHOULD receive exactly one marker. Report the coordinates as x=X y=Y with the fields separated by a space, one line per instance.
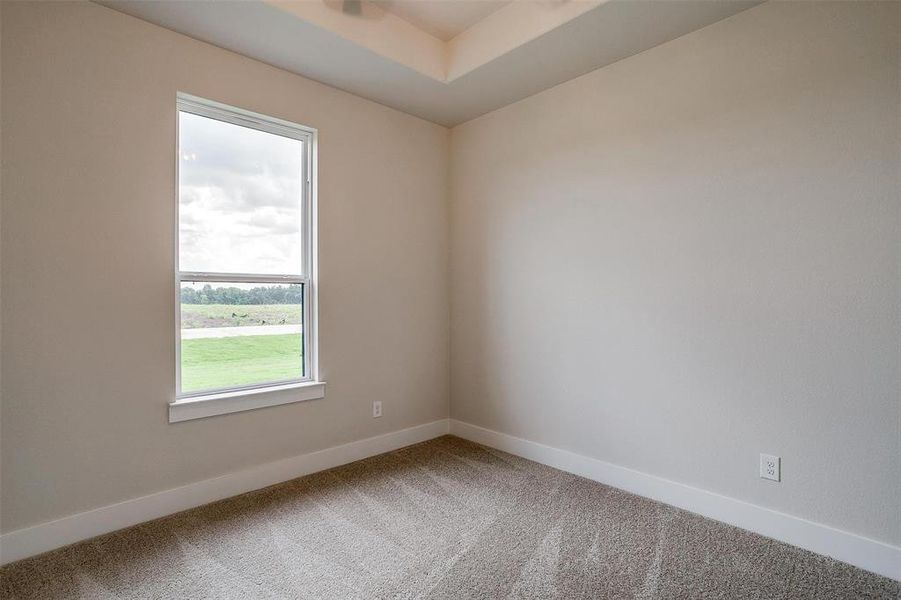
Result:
x=239 y=198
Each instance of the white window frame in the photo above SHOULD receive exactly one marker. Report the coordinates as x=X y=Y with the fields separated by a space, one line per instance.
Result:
x=193 y=405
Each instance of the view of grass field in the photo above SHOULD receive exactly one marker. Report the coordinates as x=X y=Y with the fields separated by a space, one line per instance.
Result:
x=231 y=315
x=228 y=359
x=240 y=360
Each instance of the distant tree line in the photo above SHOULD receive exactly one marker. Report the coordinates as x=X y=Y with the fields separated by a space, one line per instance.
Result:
x=274 y=294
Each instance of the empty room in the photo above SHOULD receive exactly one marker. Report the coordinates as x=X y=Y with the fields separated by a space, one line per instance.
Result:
x=450 y=299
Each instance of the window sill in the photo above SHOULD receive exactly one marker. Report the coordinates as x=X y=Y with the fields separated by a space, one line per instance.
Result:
x=198 y=407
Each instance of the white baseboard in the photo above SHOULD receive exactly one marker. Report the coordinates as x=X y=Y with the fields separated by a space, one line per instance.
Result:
x=44 y=537
x=862 y=552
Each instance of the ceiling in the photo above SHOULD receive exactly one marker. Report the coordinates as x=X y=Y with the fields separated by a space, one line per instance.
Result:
x=498 y=52
x=443 y=19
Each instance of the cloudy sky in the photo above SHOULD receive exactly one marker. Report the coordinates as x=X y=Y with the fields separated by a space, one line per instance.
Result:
x=239 y=199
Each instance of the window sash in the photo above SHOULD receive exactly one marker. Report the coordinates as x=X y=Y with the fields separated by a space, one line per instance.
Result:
x=306 y=325
x=240 y=117
x=244 y=118
x=194 y=276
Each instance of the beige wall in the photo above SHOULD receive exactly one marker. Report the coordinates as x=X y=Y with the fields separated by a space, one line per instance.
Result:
x=88 y=100
x=692 y=256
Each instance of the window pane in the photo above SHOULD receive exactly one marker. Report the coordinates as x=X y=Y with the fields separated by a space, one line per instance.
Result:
x=236 y=334
x=239 y=194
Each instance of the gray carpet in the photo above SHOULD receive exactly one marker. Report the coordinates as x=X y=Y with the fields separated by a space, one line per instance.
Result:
x=443 y=519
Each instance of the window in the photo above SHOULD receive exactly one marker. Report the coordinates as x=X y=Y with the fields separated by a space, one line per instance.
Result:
x=245 y=260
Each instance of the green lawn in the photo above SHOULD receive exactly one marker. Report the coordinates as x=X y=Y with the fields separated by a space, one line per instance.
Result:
x=234 y=315
x=241 y=360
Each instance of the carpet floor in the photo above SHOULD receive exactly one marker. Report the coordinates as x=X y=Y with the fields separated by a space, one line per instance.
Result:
x=441 y=519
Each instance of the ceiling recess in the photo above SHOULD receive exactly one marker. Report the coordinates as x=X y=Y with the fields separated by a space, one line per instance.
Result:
x=447 y=61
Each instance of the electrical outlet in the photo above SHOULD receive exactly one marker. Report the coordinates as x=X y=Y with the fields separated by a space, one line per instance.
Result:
x=376 y=409
x=770 y=467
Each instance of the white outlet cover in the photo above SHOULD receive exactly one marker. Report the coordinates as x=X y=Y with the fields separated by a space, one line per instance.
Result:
x=376 y=409
x=770 y=467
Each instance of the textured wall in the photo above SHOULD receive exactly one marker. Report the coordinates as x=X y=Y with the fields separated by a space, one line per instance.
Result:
x=88 y=221
x=692 y=256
